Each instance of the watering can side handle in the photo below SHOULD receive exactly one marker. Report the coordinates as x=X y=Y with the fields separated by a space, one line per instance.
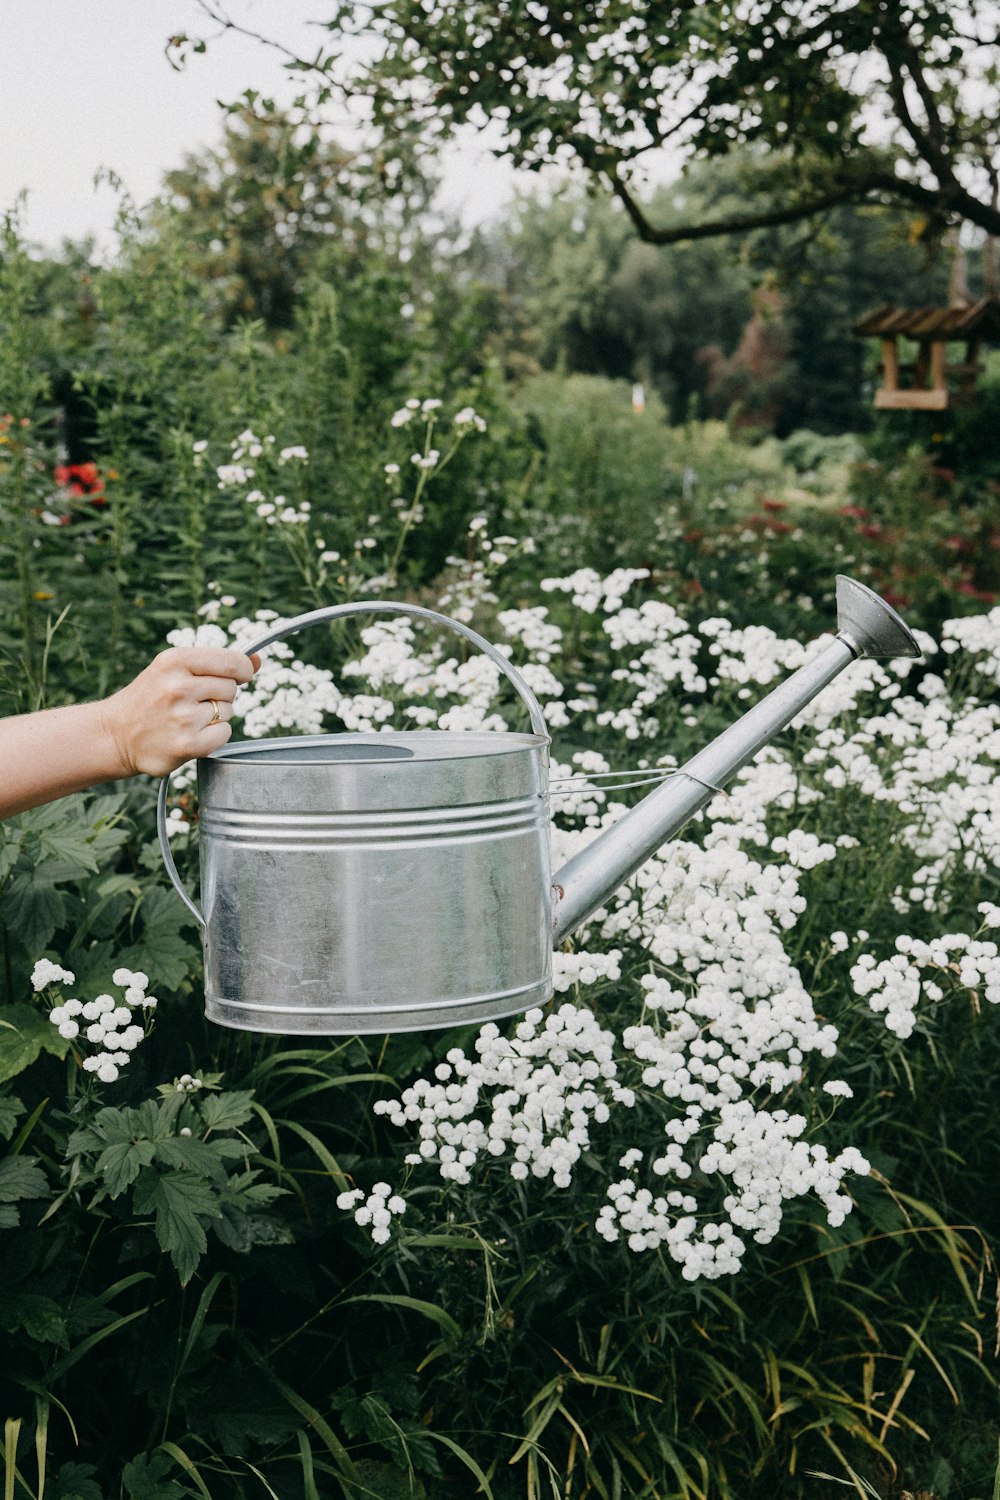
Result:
x=168 y=858
x=370 y=606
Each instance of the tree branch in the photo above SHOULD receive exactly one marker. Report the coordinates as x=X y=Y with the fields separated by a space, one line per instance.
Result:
x=954 y=202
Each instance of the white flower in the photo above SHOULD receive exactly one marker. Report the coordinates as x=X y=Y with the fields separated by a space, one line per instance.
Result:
x=46 y=972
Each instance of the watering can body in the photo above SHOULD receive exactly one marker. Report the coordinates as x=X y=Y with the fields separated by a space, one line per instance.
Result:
x=383 y=882
x=370 y=883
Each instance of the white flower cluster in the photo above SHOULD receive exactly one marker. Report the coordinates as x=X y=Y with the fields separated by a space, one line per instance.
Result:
x=470 y=580
x=465 y=420
x=536 y=633
x=111 y=1027
x=278 y=511
x=590 y=592
x=895 y=986
x=760 y=1153
x=414 y=408
x=374 y=1212
x=571 y=969
x=752 y=654
x=979 y=637
x=802 y=849
x=530 y=1098
x=246 y=449
x=934 y=757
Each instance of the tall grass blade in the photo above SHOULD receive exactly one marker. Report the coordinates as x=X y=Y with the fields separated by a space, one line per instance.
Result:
x=11 y=1433
x=41 y=1441
x=466 y=1458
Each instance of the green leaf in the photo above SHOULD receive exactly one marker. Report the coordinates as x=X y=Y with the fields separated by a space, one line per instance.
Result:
x=21 y=1177
x=10 y=849
x=72 y=846
x=227 y=1111
x=166 y=954
x=147 y=1477
x=187 y=1153
x=24 y=1033
x=177 y=1199
x=34 y=909
x=11 y=1110
x=40 y=1317
x=121 y=1164
x=75 y=1482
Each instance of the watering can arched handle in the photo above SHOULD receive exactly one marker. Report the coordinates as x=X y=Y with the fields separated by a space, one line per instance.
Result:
x=386 y=607
x=341 y=611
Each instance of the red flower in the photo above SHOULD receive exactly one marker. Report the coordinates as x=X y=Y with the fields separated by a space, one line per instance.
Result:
x=775 y=504
x=81 y=479
x=873 y=532
x=858 y=511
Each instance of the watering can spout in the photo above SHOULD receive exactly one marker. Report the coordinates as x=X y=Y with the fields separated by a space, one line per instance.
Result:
x=866 y=626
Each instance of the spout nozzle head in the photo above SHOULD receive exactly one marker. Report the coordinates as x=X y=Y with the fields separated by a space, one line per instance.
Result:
x=869 y=625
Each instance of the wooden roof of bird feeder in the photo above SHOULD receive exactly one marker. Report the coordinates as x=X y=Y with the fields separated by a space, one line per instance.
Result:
x=932 y=329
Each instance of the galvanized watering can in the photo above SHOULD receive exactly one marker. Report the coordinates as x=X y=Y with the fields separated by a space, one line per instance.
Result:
x=401 y=881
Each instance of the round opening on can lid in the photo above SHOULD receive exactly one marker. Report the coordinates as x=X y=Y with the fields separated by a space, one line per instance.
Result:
x=325 y=753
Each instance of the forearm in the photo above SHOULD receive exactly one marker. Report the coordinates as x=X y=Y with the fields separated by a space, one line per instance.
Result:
x=59 y=750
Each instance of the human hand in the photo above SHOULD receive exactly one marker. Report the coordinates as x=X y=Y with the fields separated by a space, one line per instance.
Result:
x=177 y=708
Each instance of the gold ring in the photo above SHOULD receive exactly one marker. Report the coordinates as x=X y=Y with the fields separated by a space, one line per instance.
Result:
x=216 y=712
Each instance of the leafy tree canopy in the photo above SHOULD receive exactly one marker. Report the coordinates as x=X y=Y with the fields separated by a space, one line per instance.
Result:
x=891 y=101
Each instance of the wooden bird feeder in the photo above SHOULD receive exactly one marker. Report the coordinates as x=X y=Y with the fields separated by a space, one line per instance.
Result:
x=932 y=383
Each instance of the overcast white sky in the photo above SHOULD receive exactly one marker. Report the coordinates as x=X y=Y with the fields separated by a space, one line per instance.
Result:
x=85 y=86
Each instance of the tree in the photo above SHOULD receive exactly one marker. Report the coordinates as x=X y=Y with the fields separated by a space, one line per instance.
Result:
x=575 y=289
x=839 y=101
x=260 y=207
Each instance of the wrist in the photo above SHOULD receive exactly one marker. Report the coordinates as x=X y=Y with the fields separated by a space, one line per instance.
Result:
x=110 y=725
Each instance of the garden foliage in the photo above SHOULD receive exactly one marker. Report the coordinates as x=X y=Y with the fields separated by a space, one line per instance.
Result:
x=722 y=1215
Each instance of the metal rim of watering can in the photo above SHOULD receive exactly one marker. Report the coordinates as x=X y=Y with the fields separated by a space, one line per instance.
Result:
x=341 y=611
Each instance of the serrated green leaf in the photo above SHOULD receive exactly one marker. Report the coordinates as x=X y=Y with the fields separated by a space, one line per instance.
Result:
x=10 y=850
x=227 y=1111
x=121 y=1163
x=21 y=1177
x=34 y=909
x=11 y=1110
x=187 y=1153
x=76 y=1482
x=40 y=1317
x=177 y=1199
x=147 y=1477
x=162 y=913
x=167 y=955
x=73 y=852
x=24 y=1033
x=108 y=1125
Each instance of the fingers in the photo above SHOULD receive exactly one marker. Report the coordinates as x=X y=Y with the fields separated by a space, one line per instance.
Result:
x=220 y=712
x=211 y=661
x=213 y=737
x=214 y=689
